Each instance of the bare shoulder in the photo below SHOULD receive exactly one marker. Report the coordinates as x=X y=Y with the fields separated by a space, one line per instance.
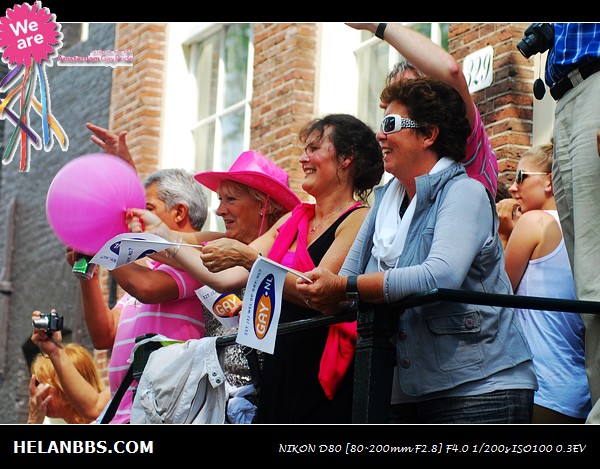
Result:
x=533 y=224
x=356 y=217
x=536 y=217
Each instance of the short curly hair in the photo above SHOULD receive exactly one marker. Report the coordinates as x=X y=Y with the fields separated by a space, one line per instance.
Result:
x=433 y=103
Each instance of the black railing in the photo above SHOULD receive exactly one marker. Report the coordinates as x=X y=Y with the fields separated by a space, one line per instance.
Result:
x=377 y=324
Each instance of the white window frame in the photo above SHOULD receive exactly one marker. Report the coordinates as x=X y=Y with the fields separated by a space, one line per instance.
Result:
x=215 y=161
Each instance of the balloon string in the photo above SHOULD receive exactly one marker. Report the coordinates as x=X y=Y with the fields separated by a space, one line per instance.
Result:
x=24 y=100
x=53 y=124
x=9 y=76
x=44 y=105
x=15 y=132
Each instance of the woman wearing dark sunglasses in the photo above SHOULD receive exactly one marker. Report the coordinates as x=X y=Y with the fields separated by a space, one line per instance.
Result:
x=537 y=264
x=432 y=226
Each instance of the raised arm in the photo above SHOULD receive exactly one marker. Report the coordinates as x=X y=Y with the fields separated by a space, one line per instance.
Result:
x=100 y=320
x=426 y=56
x=84 y=398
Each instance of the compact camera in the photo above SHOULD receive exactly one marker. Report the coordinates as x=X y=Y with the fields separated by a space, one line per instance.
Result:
x=48 y=322
x=538 y=37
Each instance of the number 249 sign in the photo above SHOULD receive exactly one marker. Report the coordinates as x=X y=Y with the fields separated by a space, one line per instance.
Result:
x=478 y=69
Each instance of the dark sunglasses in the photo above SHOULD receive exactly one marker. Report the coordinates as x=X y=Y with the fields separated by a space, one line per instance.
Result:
x=521 y=175
x=395 y=123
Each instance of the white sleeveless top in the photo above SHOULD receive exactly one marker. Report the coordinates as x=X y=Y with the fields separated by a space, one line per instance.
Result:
x=555 y=338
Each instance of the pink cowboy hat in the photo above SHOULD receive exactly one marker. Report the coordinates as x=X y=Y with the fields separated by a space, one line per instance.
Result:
x=254 y=170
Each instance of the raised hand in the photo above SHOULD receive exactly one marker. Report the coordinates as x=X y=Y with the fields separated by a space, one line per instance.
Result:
x=110 y=142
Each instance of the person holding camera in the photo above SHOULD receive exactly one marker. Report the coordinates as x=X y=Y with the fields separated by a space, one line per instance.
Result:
x=571 y=73
x=64 y=381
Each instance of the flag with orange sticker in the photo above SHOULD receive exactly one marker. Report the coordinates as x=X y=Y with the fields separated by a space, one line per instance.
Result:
x=262 y=305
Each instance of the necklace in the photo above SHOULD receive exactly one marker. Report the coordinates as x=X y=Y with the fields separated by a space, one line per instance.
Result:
x=337 y=210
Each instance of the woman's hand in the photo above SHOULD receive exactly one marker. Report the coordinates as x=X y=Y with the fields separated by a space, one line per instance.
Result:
x=144 y=221
x=509 y=211
x=365 y=26
x=46 y=343
x=110 y=142
x=38 y=401
x=326 y=293
x=224 y=253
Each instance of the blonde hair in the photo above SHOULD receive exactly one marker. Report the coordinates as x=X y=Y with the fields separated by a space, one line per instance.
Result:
x=82 y=359
x=274 y=209
x=541 y=156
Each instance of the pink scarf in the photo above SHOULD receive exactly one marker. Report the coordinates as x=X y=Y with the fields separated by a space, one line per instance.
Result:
x=341 y=340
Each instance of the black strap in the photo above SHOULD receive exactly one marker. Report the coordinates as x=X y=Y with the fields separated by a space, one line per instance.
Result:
x=116 y=400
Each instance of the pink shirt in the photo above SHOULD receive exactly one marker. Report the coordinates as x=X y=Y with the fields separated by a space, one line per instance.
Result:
x=181 y=319
x=480 y=161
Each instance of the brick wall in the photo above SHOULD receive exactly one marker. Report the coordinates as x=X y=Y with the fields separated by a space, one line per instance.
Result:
x=283 y=97
x=137 y=91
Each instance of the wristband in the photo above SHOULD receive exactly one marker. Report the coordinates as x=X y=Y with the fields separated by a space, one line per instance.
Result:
x=352 y=288
x=380 y=30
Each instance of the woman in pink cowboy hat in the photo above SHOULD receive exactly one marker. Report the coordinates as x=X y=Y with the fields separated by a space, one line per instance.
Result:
x=253 y=194
x=342 y=162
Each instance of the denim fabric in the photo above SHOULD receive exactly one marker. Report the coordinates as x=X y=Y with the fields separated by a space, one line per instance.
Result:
x=504 y=406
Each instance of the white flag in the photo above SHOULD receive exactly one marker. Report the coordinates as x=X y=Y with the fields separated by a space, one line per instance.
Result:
x=261 y=307
x=220 y=305
x=129 y=247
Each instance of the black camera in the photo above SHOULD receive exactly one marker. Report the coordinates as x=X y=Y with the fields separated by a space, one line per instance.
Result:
x=538 y=37
x=48 y=322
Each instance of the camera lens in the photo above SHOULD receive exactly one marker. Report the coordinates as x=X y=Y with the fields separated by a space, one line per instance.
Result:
x=536 y=38
x=41 y=323
x=529 y=45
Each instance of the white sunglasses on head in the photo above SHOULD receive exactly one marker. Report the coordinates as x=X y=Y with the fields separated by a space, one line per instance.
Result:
x=395 y=123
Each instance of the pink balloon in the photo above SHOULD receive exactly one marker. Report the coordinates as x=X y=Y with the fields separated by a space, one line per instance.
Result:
x=87 y=200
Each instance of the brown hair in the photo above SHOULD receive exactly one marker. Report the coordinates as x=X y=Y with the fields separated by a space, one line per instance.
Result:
x=433 y=103
x=351 y=137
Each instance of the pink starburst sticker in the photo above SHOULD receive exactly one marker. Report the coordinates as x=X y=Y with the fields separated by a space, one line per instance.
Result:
x=28 y=33
x=29 y=37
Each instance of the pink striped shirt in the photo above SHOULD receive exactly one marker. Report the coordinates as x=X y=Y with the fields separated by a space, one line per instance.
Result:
x=181 y=319
x=480 y=161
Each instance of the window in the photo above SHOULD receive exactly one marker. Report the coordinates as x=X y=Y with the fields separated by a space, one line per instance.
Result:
x=222 y=64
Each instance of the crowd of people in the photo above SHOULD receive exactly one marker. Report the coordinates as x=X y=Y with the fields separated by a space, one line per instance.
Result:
x=442 y=220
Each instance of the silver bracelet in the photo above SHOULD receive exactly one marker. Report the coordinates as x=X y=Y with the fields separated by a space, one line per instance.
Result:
x=175 y=248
